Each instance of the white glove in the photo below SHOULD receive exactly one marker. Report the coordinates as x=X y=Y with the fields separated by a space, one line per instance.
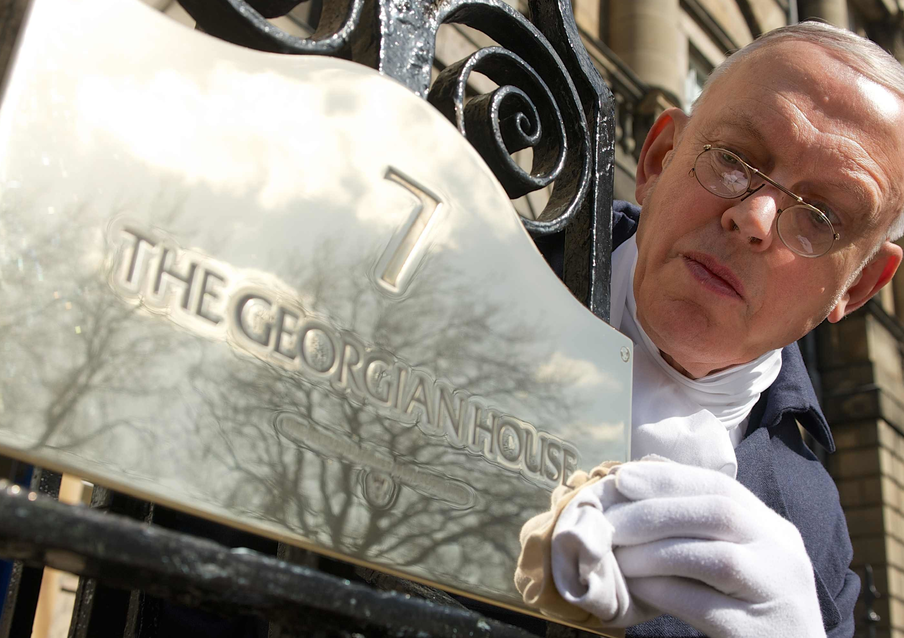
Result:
x=584 y=566
x=690 y=542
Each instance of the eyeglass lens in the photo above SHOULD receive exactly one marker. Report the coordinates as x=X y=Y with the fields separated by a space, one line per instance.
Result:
x=805 y=231
x=802 y=229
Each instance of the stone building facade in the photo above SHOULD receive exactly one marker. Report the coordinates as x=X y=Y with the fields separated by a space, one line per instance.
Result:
x=657 y=53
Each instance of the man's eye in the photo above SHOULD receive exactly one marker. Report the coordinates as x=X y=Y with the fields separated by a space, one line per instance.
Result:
x=728 y=159
x=826 y=210
x=817 y=220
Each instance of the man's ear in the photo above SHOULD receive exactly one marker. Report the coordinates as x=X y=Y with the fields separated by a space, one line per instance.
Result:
x=658 y=149
x=875 y=275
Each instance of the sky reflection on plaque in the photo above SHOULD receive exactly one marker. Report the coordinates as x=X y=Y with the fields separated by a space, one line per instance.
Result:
x=195 y=247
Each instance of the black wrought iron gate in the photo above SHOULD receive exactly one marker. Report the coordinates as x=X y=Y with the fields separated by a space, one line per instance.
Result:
x=131 y=560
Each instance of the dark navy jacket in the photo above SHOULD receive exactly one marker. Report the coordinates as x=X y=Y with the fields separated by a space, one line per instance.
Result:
x=774 y=464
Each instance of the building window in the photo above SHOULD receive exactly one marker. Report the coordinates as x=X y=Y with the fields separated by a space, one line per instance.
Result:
x=698 y=69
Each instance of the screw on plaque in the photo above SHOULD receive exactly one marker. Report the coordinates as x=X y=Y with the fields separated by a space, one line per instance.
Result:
x=625 y=354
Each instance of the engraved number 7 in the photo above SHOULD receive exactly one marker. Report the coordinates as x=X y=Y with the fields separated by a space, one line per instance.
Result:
x=398 y=262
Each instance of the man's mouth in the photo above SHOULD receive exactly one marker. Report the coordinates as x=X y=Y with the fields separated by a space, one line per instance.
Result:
x=713 y=275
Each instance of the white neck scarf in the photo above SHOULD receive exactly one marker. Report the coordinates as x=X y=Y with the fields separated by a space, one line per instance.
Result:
x=686 y=420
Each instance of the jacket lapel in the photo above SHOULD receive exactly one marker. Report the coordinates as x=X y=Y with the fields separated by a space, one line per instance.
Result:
x=756 y=470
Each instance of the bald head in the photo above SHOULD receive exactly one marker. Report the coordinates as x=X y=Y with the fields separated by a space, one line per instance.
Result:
x=861 y=54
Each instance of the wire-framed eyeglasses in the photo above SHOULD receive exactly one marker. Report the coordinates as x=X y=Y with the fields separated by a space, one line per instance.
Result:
x=802 y=227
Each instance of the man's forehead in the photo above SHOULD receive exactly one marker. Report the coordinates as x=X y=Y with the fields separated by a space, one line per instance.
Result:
x=810 y=75
x=736 y=124
x=799 y=92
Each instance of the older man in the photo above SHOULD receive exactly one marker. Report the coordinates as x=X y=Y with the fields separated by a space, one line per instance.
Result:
x=766 y=211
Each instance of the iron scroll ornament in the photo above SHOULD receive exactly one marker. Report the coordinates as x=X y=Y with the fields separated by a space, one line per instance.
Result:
x=550 y=98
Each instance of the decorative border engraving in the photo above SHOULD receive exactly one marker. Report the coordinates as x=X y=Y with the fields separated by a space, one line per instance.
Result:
x=382 y=471
x=264 y=319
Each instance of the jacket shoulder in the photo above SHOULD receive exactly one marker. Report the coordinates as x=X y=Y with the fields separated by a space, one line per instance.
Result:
x=810 y=499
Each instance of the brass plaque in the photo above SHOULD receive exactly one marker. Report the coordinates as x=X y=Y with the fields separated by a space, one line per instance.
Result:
x=283 y=293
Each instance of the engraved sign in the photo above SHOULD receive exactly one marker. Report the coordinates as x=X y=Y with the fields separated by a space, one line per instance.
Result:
x=285 y=294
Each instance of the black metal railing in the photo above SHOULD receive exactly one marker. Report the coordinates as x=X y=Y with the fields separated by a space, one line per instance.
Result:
x=130 y=555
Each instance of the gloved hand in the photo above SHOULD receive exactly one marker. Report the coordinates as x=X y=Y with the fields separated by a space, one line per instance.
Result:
x=661 y=537
x=533 y=575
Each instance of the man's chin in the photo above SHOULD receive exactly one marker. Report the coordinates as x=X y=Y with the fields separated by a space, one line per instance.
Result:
x=695 y=345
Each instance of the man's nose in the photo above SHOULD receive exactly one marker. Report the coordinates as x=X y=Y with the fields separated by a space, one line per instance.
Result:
x=752 y=218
